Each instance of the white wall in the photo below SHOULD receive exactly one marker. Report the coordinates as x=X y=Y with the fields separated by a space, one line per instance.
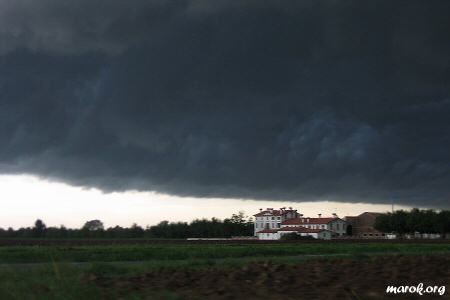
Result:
x=338 y=226
x=268 y=236
x=263 y=222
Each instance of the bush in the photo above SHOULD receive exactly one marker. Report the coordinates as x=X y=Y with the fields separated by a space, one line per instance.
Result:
x=294 y=236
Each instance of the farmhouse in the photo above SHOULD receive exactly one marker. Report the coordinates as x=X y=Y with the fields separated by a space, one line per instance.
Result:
x=362 y=226
x=271 y=224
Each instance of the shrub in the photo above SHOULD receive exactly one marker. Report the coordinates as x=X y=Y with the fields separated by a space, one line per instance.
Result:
x=295 y=236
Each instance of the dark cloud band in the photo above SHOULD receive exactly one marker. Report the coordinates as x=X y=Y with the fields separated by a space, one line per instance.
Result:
x=306 y=100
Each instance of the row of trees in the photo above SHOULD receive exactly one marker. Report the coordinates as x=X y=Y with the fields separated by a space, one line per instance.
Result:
x=416 y=220
x=237 y=225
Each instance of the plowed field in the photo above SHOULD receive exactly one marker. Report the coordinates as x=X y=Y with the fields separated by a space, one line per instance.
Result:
x=310 y=279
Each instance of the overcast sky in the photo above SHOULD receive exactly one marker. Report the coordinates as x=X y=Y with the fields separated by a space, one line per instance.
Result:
x=294 y=101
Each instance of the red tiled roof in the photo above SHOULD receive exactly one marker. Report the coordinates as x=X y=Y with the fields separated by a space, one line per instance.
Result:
x=298 y=221
x=268 y=231
x=307 y=230
x=291 y=228
x=375 y=214
x=273 y=213
x=292 y=222
x=298 y=229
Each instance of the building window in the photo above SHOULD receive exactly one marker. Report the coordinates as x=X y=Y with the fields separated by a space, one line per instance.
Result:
x=278 y=225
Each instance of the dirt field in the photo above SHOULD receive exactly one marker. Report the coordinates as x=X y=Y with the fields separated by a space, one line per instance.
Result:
x=311 y=279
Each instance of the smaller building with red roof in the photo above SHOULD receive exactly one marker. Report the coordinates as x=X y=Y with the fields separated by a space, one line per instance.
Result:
x=276 y=234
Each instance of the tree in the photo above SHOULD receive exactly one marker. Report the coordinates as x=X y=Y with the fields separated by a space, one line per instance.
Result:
x=93 y=225
x=443 y=222
x=39 y=228
x=136 y=231
x=399 y=222
x=239 y=218
x=416 y=220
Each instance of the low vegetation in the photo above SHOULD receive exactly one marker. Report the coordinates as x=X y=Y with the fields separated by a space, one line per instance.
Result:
x=293 y=236
x=26 y=254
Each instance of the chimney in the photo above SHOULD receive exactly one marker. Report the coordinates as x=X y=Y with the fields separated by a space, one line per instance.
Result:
x=320 y=215
x=260 y=209
x=335 y=215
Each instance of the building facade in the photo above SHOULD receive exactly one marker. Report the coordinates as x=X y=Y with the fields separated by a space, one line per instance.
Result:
x=276 y=234
x=271 y=224
x=272 y=219
x=335 y=225
x=362 y=226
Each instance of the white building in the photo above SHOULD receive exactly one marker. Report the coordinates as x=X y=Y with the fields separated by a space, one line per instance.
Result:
x=271 y=224
x=272 y=219
x=276 y=234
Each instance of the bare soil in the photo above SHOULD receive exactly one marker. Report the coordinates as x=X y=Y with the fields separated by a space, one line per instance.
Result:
x=310 y=279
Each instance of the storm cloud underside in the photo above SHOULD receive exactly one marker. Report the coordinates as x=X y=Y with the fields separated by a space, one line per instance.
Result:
x=296 y=100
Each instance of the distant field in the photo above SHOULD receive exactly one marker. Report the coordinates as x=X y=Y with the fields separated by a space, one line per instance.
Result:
x=168 y=252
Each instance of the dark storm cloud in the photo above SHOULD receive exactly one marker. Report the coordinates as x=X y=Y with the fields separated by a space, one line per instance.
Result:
x=302 y=100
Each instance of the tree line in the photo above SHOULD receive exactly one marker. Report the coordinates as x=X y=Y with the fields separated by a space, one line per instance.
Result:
x=415 y=220
x=237 y=225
